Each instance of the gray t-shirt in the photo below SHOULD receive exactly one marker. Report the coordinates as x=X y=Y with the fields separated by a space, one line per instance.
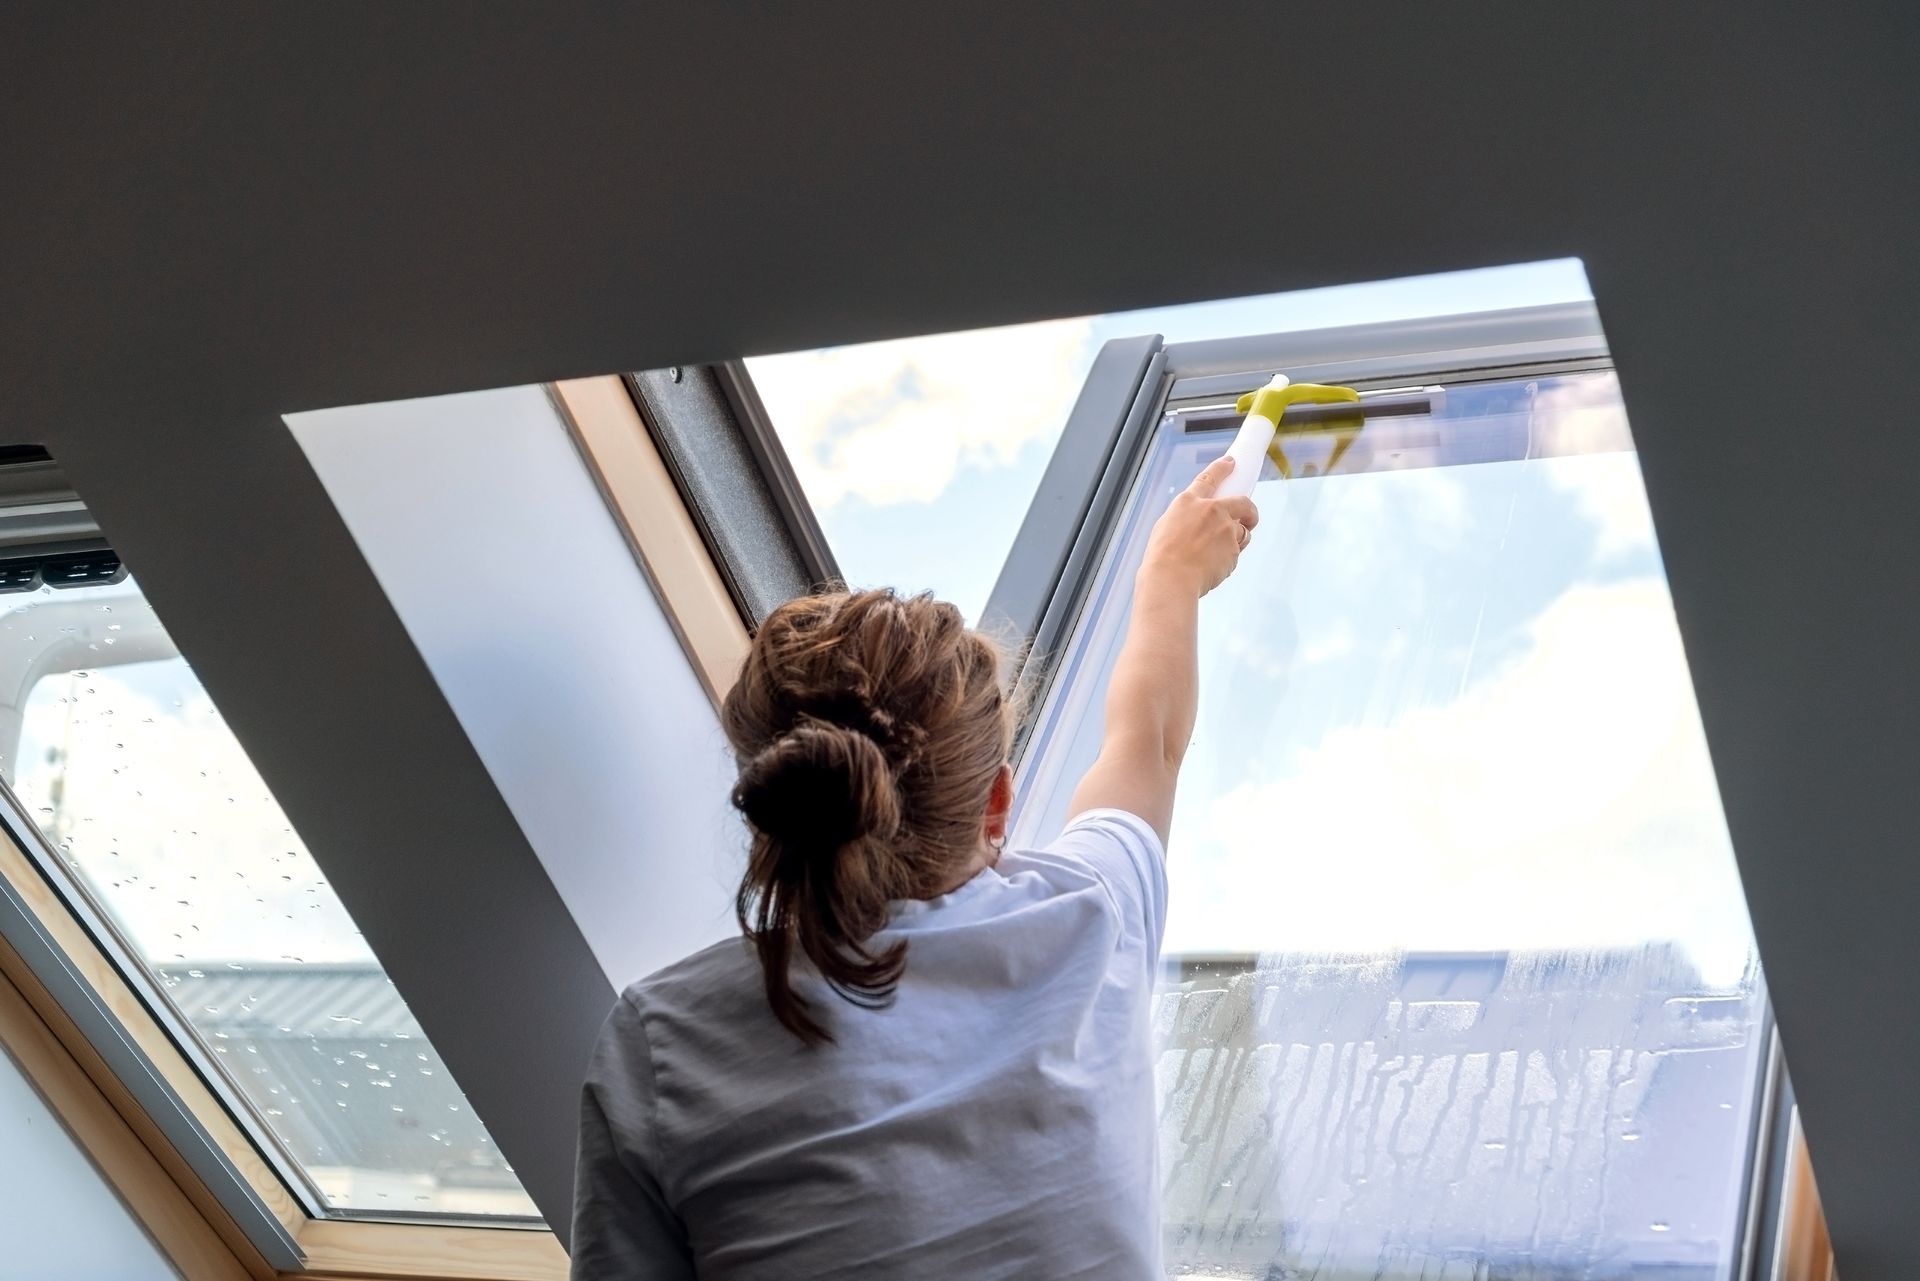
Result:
x=997 y=1120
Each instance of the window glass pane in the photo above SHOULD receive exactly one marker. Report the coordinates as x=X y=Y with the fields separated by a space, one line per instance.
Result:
x=113 y=748
x=1459 y=978
x=898 y=444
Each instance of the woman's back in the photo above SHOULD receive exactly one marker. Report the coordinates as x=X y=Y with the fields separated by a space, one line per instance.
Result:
x=996 y=1119
x=927 y=1057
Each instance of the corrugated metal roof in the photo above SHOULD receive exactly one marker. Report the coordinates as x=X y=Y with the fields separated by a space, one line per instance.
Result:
x=347 y=1000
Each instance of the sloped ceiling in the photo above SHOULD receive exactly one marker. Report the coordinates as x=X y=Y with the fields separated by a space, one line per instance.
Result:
x=211 y=217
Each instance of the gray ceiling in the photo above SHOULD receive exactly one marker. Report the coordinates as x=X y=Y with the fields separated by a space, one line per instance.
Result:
x=213 y=217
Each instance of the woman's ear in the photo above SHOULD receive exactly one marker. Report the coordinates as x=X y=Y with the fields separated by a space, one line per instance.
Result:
x=1000 y=804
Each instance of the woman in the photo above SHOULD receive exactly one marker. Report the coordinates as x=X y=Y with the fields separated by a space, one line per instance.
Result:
x=929 y=1057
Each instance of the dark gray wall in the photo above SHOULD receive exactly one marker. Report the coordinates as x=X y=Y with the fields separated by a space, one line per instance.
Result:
x=213 y=216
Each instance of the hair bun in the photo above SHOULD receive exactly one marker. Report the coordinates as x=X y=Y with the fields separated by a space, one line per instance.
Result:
x=820 y=786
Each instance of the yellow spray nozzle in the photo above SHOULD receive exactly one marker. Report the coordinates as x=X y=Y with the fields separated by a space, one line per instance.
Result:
x=1271 y=403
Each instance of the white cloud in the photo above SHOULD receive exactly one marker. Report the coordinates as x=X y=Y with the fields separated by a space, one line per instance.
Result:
x=1565 y=801
x=895 y=422
x=1334 y=641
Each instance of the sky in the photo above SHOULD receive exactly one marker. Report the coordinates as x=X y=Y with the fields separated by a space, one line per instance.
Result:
x=900 y=444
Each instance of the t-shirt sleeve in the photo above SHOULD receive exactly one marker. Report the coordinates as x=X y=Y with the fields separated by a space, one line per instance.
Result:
x=1125 y=852
x=622 y=1225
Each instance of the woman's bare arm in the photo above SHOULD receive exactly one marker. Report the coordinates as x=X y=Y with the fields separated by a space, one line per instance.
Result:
x=1155 y=691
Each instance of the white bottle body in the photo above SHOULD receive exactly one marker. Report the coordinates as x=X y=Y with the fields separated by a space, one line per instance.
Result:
x=1249 y=450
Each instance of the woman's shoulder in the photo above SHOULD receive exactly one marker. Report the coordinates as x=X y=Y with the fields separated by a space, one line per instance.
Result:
x=706 y=979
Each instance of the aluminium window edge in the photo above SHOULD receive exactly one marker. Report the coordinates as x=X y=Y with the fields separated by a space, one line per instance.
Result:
x=763 y=442
x=1070 y=507
x=736 y=482
x=1390 y=349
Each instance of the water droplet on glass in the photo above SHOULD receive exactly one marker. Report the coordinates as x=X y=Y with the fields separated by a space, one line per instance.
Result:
x=1494 y=1145
x=1631 y=1136
x=1661 y=1227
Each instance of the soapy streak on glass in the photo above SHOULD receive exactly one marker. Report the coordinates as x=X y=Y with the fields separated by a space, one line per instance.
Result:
x=1460 y=980
x=114 y=749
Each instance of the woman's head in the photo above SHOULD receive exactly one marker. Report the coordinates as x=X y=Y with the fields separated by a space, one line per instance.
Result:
x=872 y=736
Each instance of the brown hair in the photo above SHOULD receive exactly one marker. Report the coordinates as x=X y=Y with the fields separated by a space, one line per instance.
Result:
x=869 y=730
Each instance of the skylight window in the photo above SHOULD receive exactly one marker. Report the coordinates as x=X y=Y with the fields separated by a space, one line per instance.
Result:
x=1460 y=980
x=120 y=773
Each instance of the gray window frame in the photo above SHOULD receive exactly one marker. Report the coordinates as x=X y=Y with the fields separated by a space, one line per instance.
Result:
x=728 y=463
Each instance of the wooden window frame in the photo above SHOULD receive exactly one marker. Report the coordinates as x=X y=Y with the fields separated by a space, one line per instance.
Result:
x=177 y=1209
x=1802 y=1249
x=641 y=495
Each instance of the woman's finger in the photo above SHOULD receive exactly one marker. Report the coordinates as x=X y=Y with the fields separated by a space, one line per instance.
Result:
x=1242 y=509
x=1208 y=482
